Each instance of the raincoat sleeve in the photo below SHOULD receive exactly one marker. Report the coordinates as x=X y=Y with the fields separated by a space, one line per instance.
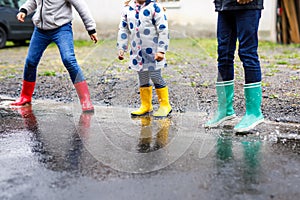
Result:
x=28 y=7
x=84 y=13
x=123 y=33
x=161 y=24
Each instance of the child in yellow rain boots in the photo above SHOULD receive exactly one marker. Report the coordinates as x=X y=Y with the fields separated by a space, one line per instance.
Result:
x=144 y=25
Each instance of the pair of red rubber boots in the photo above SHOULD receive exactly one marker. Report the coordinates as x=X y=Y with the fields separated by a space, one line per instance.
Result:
x=81 y=89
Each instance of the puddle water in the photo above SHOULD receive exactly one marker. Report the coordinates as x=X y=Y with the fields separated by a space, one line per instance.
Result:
x=52 y=151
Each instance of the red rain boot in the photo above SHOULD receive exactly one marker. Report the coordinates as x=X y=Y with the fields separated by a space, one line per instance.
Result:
x=26 y=94
x=84 y=96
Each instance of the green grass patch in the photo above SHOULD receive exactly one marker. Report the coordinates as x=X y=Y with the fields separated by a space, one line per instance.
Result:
x=273 y=96
x=294 y=78
x=264 y=84
x=282 y=62
x=48 y=73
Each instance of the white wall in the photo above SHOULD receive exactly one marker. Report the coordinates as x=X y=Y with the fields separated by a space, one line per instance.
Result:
x=106 y=14
x=194 y=18
x=267 y=28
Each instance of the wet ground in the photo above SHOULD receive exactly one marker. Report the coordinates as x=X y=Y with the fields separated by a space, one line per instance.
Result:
x=191 y=75
x=51 y=151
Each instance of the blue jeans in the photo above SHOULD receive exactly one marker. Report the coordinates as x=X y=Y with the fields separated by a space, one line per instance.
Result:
x=63 y=38
x=241 y=25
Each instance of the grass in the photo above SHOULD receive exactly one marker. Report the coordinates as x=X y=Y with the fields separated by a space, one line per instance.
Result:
x=294 y=78
x=48 y=73
x=274 y=96
x=182 y=51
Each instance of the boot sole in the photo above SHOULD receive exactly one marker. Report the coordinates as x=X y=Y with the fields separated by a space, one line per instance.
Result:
x=161 y=117
x=244 y=130
x=216 y=125
x=142 y=115
x=88 y=111
x=20 y=105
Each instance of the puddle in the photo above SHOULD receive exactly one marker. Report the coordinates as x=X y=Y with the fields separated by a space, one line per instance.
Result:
x=51 y=150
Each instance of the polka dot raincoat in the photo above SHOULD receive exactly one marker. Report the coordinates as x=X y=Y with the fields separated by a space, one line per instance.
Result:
x=145 y=29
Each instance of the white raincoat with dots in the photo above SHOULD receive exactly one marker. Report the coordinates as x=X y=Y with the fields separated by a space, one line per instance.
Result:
x=145 y=28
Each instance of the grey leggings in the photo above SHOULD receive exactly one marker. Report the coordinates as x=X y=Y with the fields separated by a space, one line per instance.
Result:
x=155 y=76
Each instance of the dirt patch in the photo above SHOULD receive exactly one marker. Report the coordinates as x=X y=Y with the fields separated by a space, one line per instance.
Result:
x=190 y=75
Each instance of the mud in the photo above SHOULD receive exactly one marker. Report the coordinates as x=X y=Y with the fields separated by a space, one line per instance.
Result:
x=51 y=151
x=190 y=75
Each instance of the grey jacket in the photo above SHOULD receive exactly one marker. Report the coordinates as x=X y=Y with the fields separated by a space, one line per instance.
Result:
x=51 y=14
x=224 y=5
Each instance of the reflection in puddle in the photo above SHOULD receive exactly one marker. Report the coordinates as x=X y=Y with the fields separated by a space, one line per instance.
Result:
x=238 y=163
x=287 y=145
x=56 y=148
x=145 y=142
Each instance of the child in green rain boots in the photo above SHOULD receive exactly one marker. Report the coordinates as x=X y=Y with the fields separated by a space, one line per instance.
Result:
x=238 y=20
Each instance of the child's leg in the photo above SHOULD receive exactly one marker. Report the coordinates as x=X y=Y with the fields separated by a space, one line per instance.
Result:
x=145 y=95
x=38 y=44
x=227 y=37
x=144 y=78
x=247 y=28
x=157 y=79
x=248 y=43
x=162 y=92
x=64 y=40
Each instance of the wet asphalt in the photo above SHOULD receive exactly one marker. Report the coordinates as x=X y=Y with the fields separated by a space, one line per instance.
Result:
x=51 y=150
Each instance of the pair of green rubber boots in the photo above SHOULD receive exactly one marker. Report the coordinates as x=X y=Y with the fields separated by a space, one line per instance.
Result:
x=225 y=111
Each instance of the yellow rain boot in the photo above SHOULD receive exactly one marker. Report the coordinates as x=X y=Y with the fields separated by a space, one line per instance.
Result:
x=146 y=102
x=164 y=106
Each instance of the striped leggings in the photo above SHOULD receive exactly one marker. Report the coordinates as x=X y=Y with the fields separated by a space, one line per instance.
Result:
x=155 y=76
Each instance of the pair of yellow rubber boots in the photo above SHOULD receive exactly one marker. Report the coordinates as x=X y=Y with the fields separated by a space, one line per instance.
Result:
x=146 y=102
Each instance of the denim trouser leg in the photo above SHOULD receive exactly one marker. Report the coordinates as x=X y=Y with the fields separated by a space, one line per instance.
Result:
x=64 y=40
x=247 y=28
x=38 y=44
x=243 y=25
x=227 y=37
x=63 y=37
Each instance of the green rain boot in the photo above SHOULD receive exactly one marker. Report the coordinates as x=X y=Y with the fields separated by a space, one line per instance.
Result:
x=225 y=92
x=253 y=115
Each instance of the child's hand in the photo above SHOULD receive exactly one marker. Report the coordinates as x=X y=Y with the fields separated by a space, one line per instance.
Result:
x=121 y=55
x=244 y=1
x=21 y=16
x=159 y=56
x=94 y=38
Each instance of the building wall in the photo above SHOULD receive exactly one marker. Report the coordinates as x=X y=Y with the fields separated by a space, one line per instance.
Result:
x=189 y=18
